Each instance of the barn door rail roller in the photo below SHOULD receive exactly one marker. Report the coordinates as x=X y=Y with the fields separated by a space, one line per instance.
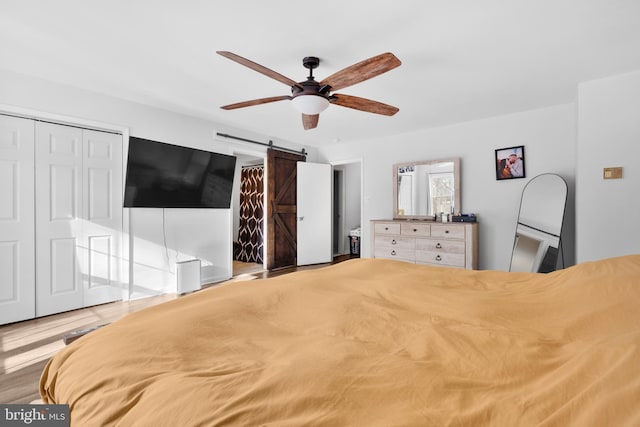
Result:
x=270 y=144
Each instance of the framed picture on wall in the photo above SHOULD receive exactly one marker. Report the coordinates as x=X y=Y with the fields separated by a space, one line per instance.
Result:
x=510 y=163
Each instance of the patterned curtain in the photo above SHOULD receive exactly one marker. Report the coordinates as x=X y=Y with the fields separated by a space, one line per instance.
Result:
x=250 y=238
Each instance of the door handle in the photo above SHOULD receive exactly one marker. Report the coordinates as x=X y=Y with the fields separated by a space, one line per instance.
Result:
x=300 y=218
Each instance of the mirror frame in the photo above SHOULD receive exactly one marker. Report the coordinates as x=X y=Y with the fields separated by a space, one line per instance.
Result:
x=456 y=187
x=547 y=236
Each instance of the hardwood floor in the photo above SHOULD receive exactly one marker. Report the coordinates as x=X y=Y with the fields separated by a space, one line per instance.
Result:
x=26 y=346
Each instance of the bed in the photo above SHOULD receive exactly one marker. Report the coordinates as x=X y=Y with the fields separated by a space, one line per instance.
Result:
x=370 y=342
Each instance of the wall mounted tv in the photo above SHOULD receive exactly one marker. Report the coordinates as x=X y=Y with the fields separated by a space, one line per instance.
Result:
x=161 y=175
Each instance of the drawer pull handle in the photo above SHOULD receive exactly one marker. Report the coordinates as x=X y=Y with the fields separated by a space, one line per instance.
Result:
x=438 y=258
x=446 y=231
x=386 y=229
x=393 y=253
x=393 y=242
x=438 y=245
x=415 y=230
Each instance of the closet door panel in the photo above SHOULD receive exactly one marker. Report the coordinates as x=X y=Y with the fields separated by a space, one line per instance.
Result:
x=58 y=177
x=63 y=266
x=17 y=249
x=63 y=180
x=102 y=265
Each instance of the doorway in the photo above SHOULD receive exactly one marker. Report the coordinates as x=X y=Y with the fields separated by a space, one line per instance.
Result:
x=346 y=210
x=347 y=206
x=248 y=215
x=338 y=214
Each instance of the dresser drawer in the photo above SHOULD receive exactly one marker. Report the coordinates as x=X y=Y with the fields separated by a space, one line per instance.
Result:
x=403 y=254
x=442 y=246
x=440 y=258
x=387 y=228
x=422 y=230
x=447 y=231
x=395 y=242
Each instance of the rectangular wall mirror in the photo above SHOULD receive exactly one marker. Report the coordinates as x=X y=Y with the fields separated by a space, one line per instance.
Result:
x=424 y=189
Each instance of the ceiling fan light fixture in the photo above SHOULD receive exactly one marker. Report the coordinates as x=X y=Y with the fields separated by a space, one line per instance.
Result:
x=310 y=104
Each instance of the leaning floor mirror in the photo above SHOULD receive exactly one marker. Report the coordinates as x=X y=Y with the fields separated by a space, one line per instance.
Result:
x=537 y=243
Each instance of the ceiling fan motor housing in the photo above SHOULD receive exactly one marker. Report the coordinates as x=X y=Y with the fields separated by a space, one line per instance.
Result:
x=310 y=86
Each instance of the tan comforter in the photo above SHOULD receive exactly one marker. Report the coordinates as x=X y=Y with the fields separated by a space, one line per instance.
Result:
x=370 y=343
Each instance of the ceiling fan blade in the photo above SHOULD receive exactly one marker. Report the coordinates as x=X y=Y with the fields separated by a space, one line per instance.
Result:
x=257 y=67
x=310 y=121
x=363 y=70
x=363 y=104
x=255 y=102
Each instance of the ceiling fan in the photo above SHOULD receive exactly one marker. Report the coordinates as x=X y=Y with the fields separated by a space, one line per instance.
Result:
x=311 y=97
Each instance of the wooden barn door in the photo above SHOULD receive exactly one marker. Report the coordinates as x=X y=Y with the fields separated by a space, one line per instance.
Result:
x=281 y=208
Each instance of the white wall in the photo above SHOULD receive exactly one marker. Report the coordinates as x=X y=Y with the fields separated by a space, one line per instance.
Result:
x=189 y=233
x=548 y=135
x=608 y=135
x=575 y=141
x=202 y=233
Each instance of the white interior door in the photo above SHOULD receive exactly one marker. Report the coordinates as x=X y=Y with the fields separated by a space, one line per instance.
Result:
x=58 y=218
x=79 y=218
x=100 y=244
x=17 y=253
x=314 y=213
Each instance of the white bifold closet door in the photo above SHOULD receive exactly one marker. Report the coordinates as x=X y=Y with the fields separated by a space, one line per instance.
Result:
x=78 y=223
x=17 y=238
x=103 y=266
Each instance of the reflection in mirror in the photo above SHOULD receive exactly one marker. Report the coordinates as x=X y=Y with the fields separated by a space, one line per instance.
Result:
x=537 y=242
x=425 y=189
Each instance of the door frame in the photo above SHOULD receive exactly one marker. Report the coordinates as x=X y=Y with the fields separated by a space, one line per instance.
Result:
x=358 y=160
x=126 y=243
x=258 y=154
x=339 y=209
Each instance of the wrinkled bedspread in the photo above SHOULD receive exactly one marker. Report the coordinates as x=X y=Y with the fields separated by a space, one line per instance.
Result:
x=370 y=342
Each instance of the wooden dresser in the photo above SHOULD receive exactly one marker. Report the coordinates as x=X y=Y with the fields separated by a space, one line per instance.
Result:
x=452 y=244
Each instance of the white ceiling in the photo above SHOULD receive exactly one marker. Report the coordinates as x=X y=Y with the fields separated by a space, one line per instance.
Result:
x=461 y=59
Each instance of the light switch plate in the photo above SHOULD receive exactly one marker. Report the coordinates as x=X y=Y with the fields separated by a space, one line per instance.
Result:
x=612 y=173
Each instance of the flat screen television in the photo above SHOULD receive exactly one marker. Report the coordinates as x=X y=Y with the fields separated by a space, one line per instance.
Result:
x=161 y=175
